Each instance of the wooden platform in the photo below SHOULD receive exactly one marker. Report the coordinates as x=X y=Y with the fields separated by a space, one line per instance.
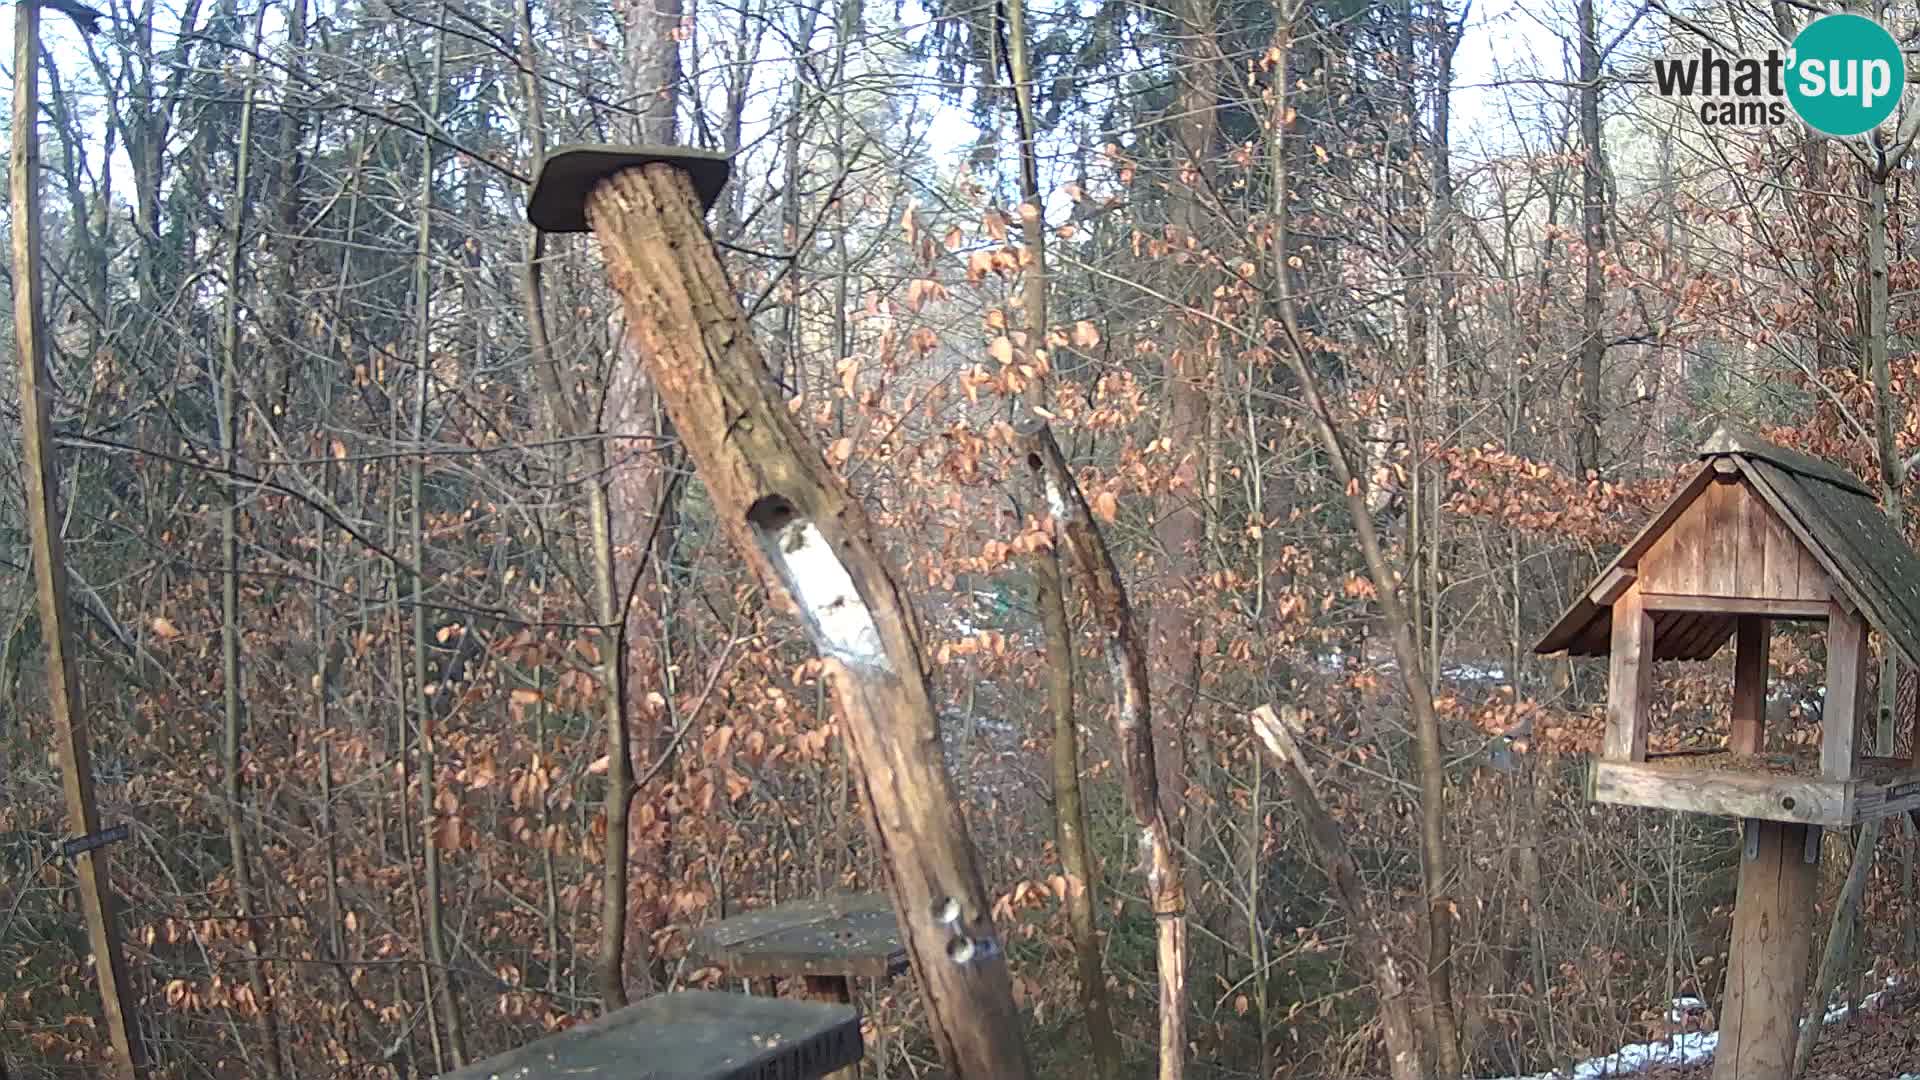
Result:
x=1770 y=787
x=845 y=935
x=692 y=1035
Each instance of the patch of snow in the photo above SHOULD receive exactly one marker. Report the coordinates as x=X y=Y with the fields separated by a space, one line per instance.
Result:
x=1056 y=502
x=1475 y=673
x=826 y=593
x=1684 y=1007
x=1689 y=1048
x=1332 y=663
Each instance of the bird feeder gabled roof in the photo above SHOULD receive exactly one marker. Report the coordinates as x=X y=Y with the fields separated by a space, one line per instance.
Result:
x=1830 y=516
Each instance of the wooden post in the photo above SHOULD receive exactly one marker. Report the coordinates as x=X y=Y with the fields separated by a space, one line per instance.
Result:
x=1767 y=965
x=1629 y=679
x=1751 y=639
x=49 y=559
x=791 y=517
x=1846 y=679
x=835 y=990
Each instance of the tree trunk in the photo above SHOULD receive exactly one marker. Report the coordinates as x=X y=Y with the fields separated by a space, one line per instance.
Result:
x=792 y=519
x=230 y=629
x=1277 y=731
x=1593 y=233
x=1437 y=876
x=1160 y=858
x=1179 y=519
x=36 y=392
x=566 y=421
x=1069 y=809
x=449 y=1001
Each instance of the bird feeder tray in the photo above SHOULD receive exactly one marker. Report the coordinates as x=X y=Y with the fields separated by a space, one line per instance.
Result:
x=691 y=1035
x=1777 y=787
x=842 y=935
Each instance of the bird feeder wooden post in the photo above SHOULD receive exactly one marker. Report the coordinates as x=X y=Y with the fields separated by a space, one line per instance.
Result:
x=1757 y=534
x=791 y=517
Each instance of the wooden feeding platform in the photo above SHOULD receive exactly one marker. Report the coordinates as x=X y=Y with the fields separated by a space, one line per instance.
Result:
x=1757 y=533
x=836 y=938
x=1780 y=787
x=692 y=1035
x=827 y=943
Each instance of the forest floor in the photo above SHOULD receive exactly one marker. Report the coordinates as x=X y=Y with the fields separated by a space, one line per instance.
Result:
x=1879 y=1044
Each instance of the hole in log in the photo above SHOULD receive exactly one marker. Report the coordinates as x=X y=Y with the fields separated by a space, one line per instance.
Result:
x=946 y=910
x=1034 y=462
x=1786 y=802
x=770 y=513
x=960 y=950
x=837 y=618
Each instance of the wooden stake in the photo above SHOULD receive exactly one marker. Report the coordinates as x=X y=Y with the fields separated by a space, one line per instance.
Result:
x=1767 y=965
x=1630 y=680
x=1750 y=685
x=791 y=517
x=49 y=560
x=1846 y=683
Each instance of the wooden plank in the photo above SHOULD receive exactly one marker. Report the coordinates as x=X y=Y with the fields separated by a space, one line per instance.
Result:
x=1611 y=585
x=1675 y=563
x=1840 y=713
x=1672 y=629
x=832 y=937
x=1630 y=680
x=1785 y=502
x=1774 y=565
x=1723 y=792
x=1735 y=605
x=1767 y=965
x=1711 y=632
x=1721 y=538
x=1749 y=685
x=1785 y=556
x=691 y=1035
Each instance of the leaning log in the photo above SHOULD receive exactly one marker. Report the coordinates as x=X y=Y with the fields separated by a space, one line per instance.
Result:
x=793 y=520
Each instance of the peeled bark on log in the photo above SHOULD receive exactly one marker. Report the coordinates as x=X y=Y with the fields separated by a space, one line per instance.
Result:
x=791 y=517
x=1074 y=530
x=1396 y=1012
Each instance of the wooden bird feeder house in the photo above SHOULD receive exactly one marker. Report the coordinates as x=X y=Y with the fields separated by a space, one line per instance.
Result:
x=1757 y=533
